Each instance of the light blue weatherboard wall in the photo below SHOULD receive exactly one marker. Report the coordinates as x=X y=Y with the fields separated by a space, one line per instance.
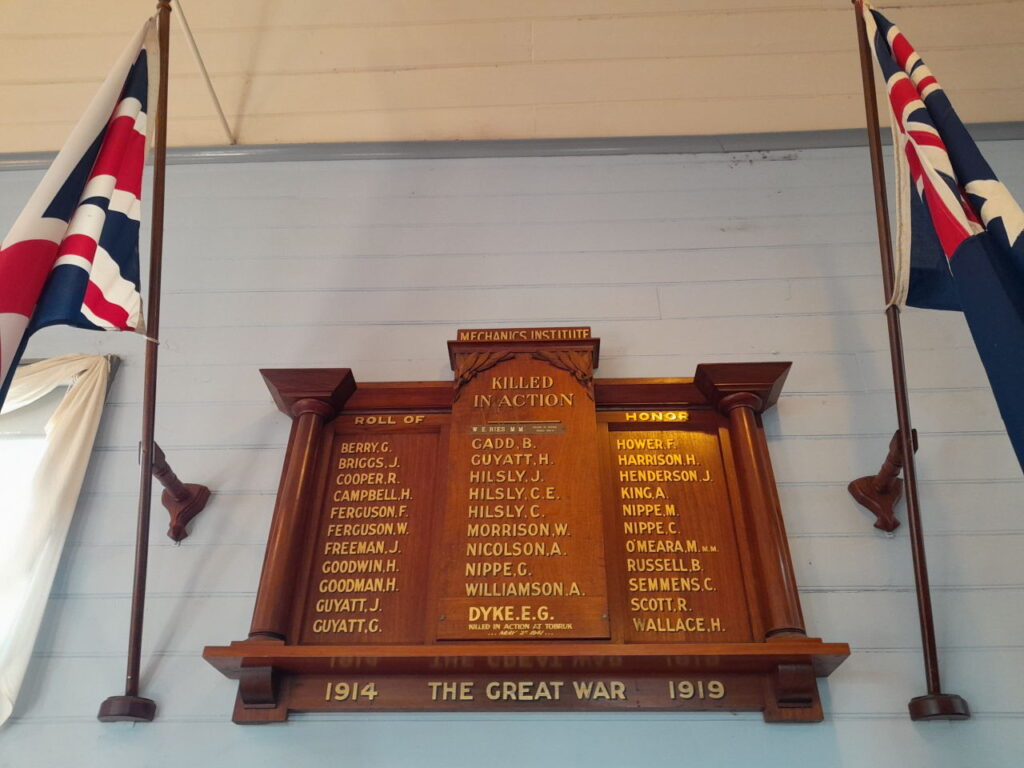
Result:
x=673 y=260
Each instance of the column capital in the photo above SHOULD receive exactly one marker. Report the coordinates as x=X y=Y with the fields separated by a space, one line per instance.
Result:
x=719 y=381
x=330 y=388
x=322 y=408
x=741 y=400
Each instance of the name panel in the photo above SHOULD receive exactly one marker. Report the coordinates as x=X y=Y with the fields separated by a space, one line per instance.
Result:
x=680 y=562
x=373 y=535
x=524 y=551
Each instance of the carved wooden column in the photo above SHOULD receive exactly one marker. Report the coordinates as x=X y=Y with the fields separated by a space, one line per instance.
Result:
x=782 y=613
x=312 y=398
x=741 y=395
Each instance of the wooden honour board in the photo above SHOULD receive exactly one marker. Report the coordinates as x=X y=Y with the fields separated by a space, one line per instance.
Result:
x=527 y=537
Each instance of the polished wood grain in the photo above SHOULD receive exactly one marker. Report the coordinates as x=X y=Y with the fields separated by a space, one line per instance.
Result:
x=529 y=656
x=543 y=488
x=686 y=539
x=673 y=539
x=310 y=398
x=384 y=542
x=777 y=587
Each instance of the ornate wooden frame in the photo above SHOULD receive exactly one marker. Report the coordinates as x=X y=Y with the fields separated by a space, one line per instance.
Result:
x=773 y=671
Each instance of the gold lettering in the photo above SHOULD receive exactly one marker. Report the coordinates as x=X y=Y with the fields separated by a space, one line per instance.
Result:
x=481 y=443
x=345 y=691
x=368 y=447
x=451 y=690
x=530 y=400
x=386 y=419
x=369 y=512
x=660 y=546
x=524 y=690
x=348 y=605
x=358 y=585
x=670 y=584
x=353 y=625
x=659 y=475
x=367 y=529
x=689 y=689
x=677 y=624
x=662 y=564
x=372 y=494
x=367 y=478
x=356 y=566
x=524 y=334
x=657 y=416
x=522 y=382
x=361 y=462
x=520 y=589
x=649 y=459
x=599 y=690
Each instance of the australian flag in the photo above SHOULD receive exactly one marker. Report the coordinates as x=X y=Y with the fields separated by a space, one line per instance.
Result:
x=72 y=256
x=959 y=241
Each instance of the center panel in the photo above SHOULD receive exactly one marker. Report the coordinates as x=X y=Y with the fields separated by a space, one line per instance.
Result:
x=522 y=537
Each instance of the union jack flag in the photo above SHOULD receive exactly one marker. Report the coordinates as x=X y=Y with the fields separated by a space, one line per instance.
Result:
x=959 y=242
x=72 y=256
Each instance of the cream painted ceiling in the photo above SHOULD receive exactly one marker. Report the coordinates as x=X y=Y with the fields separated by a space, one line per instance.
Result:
x=295 y=71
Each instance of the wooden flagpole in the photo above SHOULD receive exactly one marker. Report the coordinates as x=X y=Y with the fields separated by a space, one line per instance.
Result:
x=131 y=707
x=934 y=705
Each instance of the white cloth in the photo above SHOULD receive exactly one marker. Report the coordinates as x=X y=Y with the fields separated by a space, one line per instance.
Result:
x=35 y=536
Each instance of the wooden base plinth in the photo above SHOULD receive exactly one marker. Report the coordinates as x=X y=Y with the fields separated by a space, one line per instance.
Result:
x=127 y=709
x=777 y=679
x=939 y=706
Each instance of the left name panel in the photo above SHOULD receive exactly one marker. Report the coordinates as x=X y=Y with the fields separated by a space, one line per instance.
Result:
x=371 y=541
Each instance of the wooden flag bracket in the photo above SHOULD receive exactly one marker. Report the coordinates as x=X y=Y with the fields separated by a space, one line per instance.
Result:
x=182 y=500
x=879 y=493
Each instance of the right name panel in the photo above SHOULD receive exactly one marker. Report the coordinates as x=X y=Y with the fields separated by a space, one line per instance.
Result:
x=673 y=529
